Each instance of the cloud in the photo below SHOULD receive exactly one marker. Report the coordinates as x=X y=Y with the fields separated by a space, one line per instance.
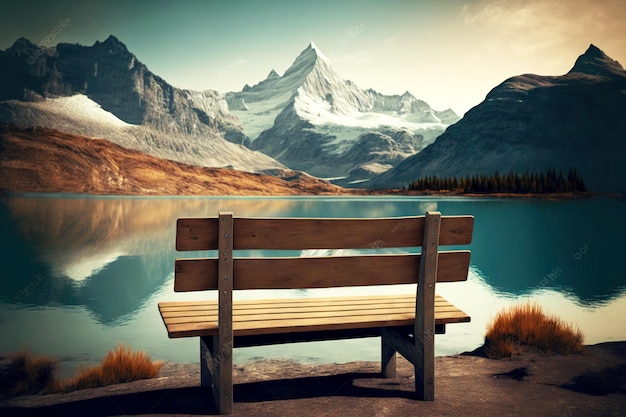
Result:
x=531 y=25
x=497 y=39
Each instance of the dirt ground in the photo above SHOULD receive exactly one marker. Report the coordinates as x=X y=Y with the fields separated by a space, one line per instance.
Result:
x=530 y=384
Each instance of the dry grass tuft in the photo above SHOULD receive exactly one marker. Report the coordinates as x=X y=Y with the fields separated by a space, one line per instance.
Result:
x=24 y=373
x=118 y=366
x=527 y=325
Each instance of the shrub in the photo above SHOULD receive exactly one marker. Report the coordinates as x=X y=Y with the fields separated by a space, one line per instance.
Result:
x=118 y=366
x=23 y=373
x=526 y=325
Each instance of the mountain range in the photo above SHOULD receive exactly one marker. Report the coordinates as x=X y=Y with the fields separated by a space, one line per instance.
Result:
x=308 y=119
x=532 y=123
x=105 y=91
x=311 y=119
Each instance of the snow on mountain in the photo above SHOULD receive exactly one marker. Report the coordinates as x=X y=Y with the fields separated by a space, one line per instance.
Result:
x=310 y=118
x=82 y=116
x=105 y=91
x=323 y=98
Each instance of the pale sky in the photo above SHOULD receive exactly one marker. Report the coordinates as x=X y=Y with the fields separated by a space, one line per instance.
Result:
x=449 y=53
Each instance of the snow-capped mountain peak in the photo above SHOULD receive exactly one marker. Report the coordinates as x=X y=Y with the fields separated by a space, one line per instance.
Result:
x=318 y=51
x=310 y=116
x=307 y=61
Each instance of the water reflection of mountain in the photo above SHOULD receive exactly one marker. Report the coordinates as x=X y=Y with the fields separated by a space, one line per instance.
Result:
x=106 y=254
x=567 y=246
x=122 y=287
x=110 y=255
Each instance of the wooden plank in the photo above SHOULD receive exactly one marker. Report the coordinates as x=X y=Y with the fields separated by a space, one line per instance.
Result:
x=294 y=325
x=195 y=274
x=295 y=306
x=309 y=303
x=320 y=233
x=204 y=322
x=211 y=312
x=298 y=324
x=351 y=299
x=301 y=302
x=224 y=350
x=324 y=316
x=297 y=309
x=318 y=272
x=425 y=310
x=208 y=328
x=331 y=299
x=242 y=322
x=297 y=315
x=197 y=234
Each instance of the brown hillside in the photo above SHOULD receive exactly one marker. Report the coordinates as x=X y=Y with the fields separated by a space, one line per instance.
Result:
x=45 y=160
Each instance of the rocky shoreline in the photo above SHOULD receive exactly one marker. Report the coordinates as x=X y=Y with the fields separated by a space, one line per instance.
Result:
x=593 y=384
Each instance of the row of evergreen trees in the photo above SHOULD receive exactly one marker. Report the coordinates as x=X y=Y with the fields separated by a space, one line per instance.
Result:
x=537 y=183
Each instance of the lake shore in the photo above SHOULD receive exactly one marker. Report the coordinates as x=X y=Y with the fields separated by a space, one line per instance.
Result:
x=553 y=196
x=40 y=160
x=593 y=384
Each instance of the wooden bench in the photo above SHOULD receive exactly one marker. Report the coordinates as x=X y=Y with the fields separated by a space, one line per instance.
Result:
x=407 y=323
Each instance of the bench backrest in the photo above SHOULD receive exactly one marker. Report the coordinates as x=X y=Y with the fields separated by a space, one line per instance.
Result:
x=227 y=273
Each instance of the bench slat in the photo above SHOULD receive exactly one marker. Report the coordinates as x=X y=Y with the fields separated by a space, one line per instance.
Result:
x=292 y=309
x=207 y=328
x=305 y=272
x=271 y=309
x=200 y=319
x=178 y=310
x=353 y=300
x=194 y=234
x=264 y=316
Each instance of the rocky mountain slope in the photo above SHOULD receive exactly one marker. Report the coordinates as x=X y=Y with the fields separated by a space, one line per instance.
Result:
x=531 y=123
x=313 y=120
x=45 y=160
x=105 y=91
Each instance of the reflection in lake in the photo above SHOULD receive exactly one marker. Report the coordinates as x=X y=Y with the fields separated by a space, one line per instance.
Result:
x=81 y=274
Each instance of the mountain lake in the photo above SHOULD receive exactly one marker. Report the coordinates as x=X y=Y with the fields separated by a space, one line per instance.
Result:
x=81 y=274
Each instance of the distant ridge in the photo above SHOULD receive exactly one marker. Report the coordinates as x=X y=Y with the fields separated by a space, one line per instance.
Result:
x=532 y=123
x=80 y=89
x=48 y=161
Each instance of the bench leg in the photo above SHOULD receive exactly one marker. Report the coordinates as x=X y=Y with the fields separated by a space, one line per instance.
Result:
x=206 y=362
x=216 y=372
x=416 y=351
x=388 y=357
x=425 y=367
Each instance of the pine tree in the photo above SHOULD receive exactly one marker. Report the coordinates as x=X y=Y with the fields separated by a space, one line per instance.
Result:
x=534 y=182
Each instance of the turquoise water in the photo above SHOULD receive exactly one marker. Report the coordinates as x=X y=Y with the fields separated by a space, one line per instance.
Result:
x=82 y=274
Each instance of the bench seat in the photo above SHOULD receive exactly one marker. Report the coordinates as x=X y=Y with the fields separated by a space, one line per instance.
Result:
x=296 y=315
